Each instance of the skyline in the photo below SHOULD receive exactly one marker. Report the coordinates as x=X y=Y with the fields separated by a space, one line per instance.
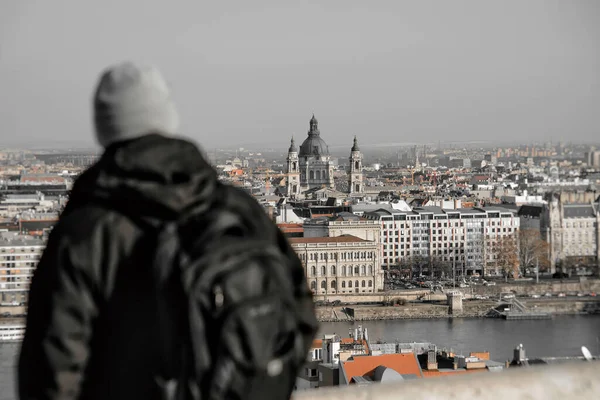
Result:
x=397 y=71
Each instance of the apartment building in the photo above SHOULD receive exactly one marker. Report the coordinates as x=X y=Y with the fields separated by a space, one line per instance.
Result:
x=19 y=256
x=341 y=264
x=459 y=236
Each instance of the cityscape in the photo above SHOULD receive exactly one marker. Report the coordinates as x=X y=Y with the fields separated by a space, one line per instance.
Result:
x=308 y=200
x=422 y=231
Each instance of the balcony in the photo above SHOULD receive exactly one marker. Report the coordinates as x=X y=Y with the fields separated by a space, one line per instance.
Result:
x=580 y=380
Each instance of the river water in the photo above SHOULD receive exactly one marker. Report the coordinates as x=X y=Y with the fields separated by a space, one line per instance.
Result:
x=561 y=336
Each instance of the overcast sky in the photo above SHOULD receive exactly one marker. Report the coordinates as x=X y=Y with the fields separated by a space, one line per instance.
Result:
x=255 y=71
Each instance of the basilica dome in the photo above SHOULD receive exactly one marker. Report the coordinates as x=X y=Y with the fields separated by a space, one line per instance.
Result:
x=313 y=145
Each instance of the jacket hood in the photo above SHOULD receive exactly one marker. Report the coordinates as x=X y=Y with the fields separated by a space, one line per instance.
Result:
x=152 y=176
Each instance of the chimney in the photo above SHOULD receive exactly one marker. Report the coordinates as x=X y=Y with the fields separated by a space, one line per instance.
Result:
x=519 y=354
x=432 y=360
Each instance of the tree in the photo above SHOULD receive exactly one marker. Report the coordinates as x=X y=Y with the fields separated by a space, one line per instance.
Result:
x=506 y=250
x=532 y=249
x=441 y=268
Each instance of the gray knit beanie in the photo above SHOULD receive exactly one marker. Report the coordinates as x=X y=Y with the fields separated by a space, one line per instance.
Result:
x=133 y=101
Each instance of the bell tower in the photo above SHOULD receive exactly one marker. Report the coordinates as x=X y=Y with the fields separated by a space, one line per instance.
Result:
x=355 y=177
x=293 y=171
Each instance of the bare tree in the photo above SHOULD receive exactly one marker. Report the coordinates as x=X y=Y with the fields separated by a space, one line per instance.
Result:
x=532 y=249
x=440 y=267
x=508 y=256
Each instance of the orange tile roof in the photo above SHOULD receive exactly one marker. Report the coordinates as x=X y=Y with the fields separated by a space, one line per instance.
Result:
x=284 y=225
x=435 y=374
x=365 y=365
x=482 y=355
x=336 y=239
x=317 y=344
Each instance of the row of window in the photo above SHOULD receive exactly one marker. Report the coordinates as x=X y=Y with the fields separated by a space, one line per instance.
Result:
x=345 y=270
x=387 y=221
x=333 y=284
x=18 y=250
x=350 y=255
x=315 y=175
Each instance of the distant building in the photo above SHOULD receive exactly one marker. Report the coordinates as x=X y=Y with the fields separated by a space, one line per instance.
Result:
x=572 y=232
x=19 y=256
x=355 y=178
x=311 y=167
x=339 y=265
x=592 y=158
x=455 y=236
x=316 y=168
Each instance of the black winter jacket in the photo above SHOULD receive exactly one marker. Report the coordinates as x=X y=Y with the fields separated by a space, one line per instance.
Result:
x=91 y=330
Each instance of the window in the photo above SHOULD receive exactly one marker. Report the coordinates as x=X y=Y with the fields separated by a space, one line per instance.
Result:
x=364 y=284
x=363 y=270
x=311 y=175
x=370 y=283
x=349 y=284
x=314 y=271
x=323 y=270
x=323 y=285
x=333 y=270
x=356 y=283
x=313 y=285
x=343 y=285
x=370 y=270
x=333 y=285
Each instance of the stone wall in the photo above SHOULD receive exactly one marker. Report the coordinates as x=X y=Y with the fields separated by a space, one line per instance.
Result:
x=471 y=309
x=525 y=289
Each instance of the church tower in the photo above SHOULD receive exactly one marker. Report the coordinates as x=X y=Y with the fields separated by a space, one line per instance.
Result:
x=355 y=178
x=293 y=171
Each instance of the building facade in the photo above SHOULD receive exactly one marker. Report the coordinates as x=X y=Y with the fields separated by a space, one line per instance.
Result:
x=459 y=237
x=572 y=232
x=340 y=265
x=19 y=256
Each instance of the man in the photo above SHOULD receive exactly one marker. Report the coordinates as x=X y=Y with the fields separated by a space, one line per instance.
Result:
x=91 y=323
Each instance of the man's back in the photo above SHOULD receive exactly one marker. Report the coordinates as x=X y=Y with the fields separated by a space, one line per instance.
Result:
x=91 y=325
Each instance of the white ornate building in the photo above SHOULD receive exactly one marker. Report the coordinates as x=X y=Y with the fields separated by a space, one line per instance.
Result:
x=572 y=232
x=341 y=264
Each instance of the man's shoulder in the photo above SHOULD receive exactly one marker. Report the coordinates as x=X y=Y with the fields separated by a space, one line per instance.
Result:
x=84 y=222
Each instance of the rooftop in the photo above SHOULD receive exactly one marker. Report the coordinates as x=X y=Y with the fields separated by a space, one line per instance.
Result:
x=336 y=239
x=404 y=364
x=564 y=382
x=579 y=211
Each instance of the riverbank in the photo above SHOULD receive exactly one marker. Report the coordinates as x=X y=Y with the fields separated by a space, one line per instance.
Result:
x=471 y=309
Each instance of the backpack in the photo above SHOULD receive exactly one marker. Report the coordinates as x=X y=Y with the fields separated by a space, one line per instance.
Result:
x=227 y=318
